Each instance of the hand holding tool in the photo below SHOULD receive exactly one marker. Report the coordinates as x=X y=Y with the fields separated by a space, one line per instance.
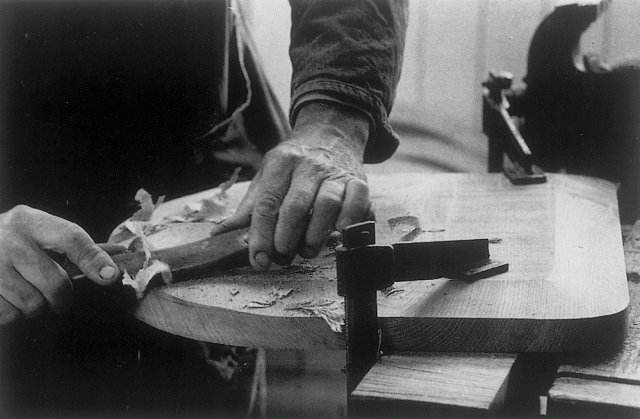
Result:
x=222 y=251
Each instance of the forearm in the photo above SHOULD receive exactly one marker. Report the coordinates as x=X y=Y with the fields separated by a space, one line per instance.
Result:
x=349 y=53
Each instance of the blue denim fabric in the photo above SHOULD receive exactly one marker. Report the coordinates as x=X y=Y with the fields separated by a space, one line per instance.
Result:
x=350 y=52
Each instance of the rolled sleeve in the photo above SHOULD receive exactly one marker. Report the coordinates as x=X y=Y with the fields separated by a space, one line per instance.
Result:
x=350 y=52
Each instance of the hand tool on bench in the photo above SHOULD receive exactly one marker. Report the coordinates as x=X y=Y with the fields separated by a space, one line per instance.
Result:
x=577 y=113
x=364 y=267
x=509 y=151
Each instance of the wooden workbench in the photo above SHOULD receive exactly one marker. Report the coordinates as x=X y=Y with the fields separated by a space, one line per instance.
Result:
x=482 y=385
x=464 y=384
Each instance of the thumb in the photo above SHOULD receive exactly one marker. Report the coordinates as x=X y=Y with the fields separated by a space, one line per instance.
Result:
x=62 y=236
x=94 y=262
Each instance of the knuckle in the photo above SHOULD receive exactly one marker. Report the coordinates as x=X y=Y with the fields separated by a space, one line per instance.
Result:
x=268 y=205
x=75 y=235
x=90 y=258
x=299 y=203
x=17 y=251
x=20 y=213
x=359 y=184
x=15 y=218
x=79 y=244
x=283 y=154
x=330 y=200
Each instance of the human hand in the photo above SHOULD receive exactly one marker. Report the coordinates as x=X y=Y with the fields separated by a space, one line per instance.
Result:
x=307 y=187
x=30 y=281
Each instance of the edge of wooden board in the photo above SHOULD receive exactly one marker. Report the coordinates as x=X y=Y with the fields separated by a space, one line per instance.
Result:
x=448 y=322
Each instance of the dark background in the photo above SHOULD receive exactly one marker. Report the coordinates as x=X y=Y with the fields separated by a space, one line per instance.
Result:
x=101 y=98
x=97 y=100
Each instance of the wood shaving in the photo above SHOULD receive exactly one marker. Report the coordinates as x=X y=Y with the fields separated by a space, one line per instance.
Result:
x=229 y=183
x=263 y=303
x=412 y=235
x=277 y=293
x=140 y=235
x=330 y=311
x=391 y=290
x=145 y=275
x=299 y=269
x=215 y=209
x=403 y=224
x=146 y=205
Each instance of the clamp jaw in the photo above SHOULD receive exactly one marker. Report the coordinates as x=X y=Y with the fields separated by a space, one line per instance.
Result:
x=364 y=267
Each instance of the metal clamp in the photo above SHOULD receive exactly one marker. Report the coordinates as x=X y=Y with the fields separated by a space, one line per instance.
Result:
x=364 y=267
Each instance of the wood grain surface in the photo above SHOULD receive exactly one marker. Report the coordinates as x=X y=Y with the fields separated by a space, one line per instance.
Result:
x=610 y=385
x=466 y=381
x=584 y=398
x=566 y=288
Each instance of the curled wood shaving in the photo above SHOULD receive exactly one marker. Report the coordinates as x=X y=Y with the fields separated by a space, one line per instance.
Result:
x=145 y=275
x=330 y=311
x=403 y=224
x=391 y=290
x=215 y=209
x=411 y=236
x=278 y=293
x=229 y=183
x=263 y=303
x=146 y=205
x=149 y=268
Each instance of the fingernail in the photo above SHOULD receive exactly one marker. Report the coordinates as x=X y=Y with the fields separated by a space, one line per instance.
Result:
x=107 y=272
x=262 y=259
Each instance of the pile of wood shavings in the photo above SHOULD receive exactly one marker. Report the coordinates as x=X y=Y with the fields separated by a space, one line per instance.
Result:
x=214 y=209
x=149 y=270
x=271 y=299
x=140 y=225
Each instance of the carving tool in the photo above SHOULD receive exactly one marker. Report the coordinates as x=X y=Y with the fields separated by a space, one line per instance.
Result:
x=222 y=251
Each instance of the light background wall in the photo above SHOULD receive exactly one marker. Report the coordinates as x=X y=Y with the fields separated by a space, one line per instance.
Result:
x=451 y=46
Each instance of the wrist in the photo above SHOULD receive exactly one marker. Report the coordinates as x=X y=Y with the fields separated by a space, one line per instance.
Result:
x=340 y=121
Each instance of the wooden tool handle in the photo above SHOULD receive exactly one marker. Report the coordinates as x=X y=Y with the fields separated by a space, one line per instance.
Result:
x=222 y=251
